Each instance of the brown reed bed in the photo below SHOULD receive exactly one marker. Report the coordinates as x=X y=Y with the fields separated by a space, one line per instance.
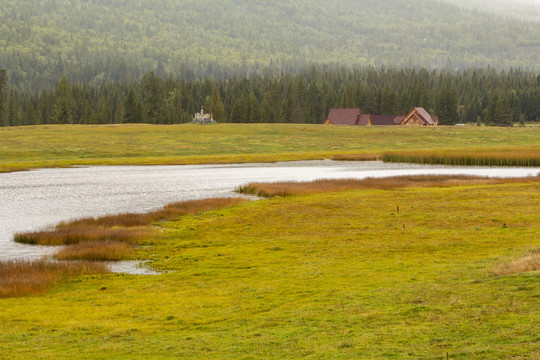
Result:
x=95 y=251
x=472 y=157
x=67 y=234
x=356 y=157
x=389 y=183
x=23 y=278
x=130 y=228
x=167 y=213
x=530 y=262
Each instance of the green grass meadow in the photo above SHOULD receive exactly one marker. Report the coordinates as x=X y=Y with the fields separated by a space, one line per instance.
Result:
x=328 y=276
x=71 y=145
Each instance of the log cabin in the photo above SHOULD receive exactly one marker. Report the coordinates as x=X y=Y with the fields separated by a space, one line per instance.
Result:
x=418 y=116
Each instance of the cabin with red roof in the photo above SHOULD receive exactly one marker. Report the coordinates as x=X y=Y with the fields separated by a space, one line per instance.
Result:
x=417 y=116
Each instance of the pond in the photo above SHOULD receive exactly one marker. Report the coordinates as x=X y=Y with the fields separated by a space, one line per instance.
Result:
x=36 y=199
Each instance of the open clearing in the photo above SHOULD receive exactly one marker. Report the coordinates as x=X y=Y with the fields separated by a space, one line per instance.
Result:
x=71 y=145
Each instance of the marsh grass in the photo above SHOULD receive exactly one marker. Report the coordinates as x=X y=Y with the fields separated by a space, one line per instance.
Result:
x=389 y=183
x=511 y=157
x=67 y=234
x=95 y=251
x=129 y=228
x=22 y=278
x=530 y=262
x=106 y=238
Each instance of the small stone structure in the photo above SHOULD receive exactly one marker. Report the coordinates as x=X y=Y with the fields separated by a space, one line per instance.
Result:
x=203 y=119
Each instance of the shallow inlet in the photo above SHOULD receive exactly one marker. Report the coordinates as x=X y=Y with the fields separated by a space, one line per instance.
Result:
x=36 y=199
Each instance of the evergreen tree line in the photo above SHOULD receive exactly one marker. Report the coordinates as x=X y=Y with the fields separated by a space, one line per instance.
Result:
x=472 y=96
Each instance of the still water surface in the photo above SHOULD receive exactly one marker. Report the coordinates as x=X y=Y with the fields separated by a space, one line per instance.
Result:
x=36 y=199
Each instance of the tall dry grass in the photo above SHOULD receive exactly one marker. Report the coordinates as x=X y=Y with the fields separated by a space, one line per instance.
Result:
x=130 y=228
x=67 y=234
x=22 y=278
x=396 y=182
x=530 y=262
x=95 y=251
x=525 y=157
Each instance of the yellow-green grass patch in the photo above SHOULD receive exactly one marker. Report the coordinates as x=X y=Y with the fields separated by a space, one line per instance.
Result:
x=335 y=276
x=72 y=145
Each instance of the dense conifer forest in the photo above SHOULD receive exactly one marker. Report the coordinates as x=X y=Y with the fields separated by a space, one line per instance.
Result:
x=482 y=96
x=89 y=41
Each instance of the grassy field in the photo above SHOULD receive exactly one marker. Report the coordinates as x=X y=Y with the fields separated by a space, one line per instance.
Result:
x=70 y=145
x=324 y=276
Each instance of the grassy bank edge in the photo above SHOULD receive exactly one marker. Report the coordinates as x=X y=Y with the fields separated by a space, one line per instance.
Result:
x=191 y=160
x=292 y=188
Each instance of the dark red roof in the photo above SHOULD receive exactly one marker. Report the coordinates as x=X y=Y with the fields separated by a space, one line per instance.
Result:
x=399 y=119
x=363 y=119
x=355 y=117
x=425 y=115
x=383 y=119
x=344 y=116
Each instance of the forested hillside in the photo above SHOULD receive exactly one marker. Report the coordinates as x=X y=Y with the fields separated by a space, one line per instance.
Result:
x=95 y=40
x=520 y=9
x=480 y=96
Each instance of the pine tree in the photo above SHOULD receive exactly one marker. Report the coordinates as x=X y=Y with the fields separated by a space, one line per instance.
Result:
x=131 y=109
x=286 y=110
x=216 y=105
x=503 y=112
x=62 y=107
x=3 y=95
x=491 y=110
x=447 y=104
x=370 y=104
x=254 y=109
x=267 y=114
x=14 y=113
x=153 y=98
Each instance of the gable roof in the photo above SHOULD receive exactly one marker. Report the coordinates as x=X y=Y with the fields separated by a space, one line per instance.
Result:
x=344 y=116
x=425 y=115
x=421 y=114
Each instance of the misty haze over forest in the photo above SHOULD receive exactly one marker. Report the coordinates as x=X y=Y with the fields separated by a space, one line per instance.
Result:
x=100 y=40
x=523 y=9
